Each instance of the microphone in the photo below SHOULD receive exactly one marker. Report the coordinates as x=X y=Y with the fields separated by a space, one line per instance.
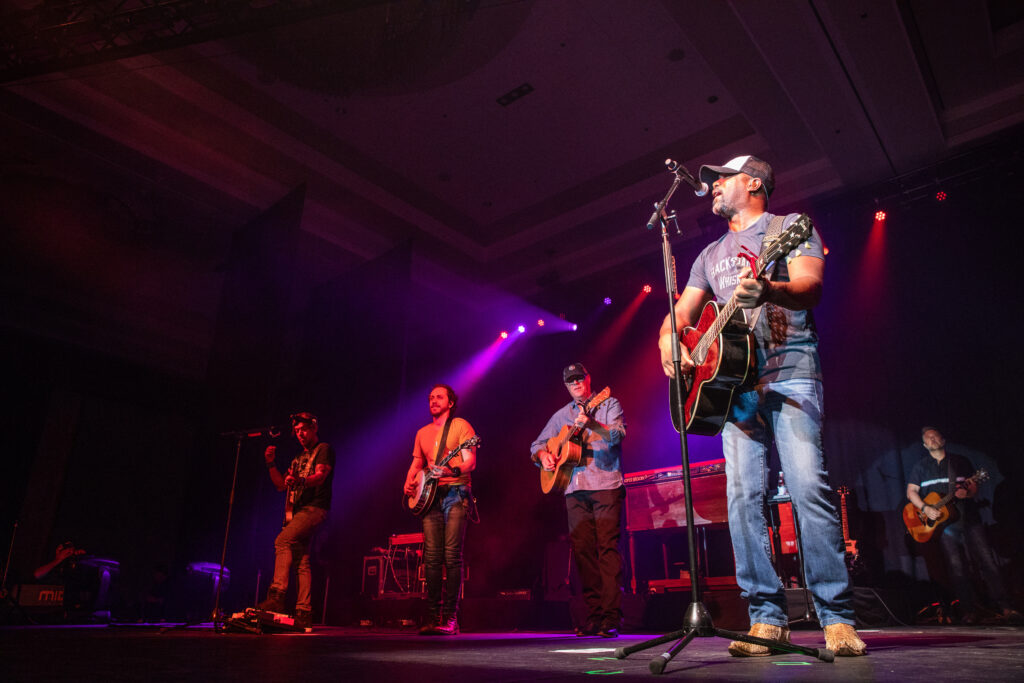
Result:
x=271 y=432
x=699 y=188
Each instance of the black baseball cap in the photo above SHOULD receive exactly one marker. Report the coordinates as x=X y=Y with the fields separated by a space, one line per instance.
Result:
x=303 y=417
x=574 y=371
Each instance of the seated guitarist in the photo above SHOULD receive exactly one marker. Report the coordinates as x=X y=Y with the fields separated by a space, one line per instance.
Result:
x=783 y=405
x=444 y=523
x=593 y=498
x=941 y=472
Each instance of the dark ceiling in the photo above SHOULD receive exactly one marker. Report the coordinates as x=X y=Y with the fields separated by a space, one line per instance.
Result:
x=512 y=143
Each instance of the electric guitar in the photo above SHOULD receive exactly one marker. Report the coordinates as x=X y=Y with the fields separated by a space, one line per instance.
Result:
x=919 y=526
x=851 y=545
x=567 y=445
x=854 y=563
x=722 y=347
x=426 y=482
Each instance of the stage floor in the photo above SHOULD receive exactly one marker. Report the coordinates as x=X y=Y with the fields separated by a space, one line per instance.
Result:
x=102 y=653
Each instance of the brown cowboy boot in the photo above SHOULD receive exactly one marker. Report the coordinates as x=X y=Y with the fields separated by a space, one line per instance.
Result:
x=844 y=641
x=738 y=648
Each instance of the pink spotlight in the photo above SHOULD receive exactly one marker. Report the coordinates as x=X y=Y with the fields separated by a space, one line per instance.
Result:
x=503 y=335
x=574 y=327
x=879 y=216
x=540 y=322
x=647 y=289
x=607 y=301
x=521 y=329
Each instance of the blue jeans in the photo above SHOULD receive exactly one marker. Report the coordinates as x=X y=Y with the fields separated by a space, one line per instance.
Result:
x=791 y=410
x=444 y=530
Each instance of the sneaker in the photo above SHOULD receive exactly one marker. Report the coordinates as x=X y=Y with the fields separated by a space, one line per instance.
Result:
x=449 y=628
x=588 y=629
x=273 y=603
x=609 y=629
x=738 y=648
x=304 y=619
x=843 y=640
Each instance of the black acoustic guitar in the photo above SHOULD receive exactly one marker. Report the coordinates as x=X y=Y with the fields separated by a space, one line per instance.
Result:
x=722 y=347
x=426 y=483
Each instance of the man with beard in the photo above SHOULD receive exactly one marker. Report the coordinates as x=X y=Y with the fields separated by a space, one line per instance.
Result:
x=444 y=522
x=784 y=405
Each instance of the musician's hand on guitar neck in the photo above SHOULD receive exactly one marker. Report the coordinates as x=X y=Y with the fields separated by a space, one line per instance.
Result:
x=665 y=346
x=547 y=460
x=750 y=292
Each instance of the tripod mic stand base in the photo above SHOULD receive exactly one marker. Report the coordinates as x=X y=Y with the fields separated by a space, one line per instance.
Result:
x=699 y=625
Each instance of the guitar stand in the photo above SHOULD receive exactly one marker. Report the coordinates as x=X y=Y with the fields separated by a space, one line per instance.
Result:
x=697 y=621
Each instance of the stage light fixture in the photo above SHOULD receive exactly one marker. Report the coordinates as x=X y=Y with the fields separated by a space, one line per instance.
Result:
x=540 y=322
x=574 y=327
x=503 y=335
x=880 y=216
x=607 y=301
x=521 y=329
x=940 y=196
x=647 y=289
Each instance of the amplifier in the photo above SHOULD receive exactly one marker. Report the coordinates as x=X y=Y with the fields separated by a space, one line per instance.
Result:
x=655 y=499
x=373 y=575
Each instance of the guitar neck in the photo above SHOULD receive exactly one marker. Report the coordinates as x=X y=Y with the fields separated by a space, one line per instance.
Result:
x=949 y=496
x=846 y=520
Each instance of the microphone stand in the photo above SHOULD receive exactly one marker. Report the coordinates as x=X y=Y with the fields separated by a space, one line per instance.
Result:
x=218 y=621
x=697 y=621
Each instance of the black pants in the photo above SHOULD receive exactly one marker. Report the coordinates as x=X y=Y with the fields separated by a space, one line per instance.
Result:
x=970 y=536
x=594 y=524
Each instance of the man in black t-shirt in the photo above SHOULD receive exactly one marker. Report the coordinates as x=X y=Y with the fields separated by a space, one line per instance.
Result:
x=308 y=483
x=940 y=472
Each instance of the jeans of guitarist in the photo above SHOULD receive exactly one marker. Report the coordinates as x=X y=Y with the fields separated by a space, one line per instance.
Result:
x=444 y=530
x=291 y=548
x=792 y=411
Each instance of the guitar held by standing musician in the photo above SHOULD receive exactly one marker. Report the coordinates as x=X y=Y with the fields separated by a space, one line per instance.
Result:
x=722 y=346
x=567 y=446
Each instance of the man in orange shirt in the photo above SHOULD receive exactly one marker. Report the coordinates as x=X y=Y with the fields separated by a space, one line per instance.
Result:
x=444 y=523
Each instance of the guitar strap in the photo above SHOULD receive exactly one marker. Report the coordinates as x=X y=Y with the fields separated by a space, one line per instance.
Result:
x=770 y=235
x=442 y=445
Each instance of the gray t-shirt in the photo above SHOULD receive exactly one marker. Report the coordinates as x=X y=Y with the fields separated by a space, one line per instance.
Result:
x=787 y=341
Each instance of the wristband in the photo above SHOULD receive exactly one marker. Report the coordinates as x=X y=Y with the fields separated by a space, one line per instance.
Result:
x=456 y=472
